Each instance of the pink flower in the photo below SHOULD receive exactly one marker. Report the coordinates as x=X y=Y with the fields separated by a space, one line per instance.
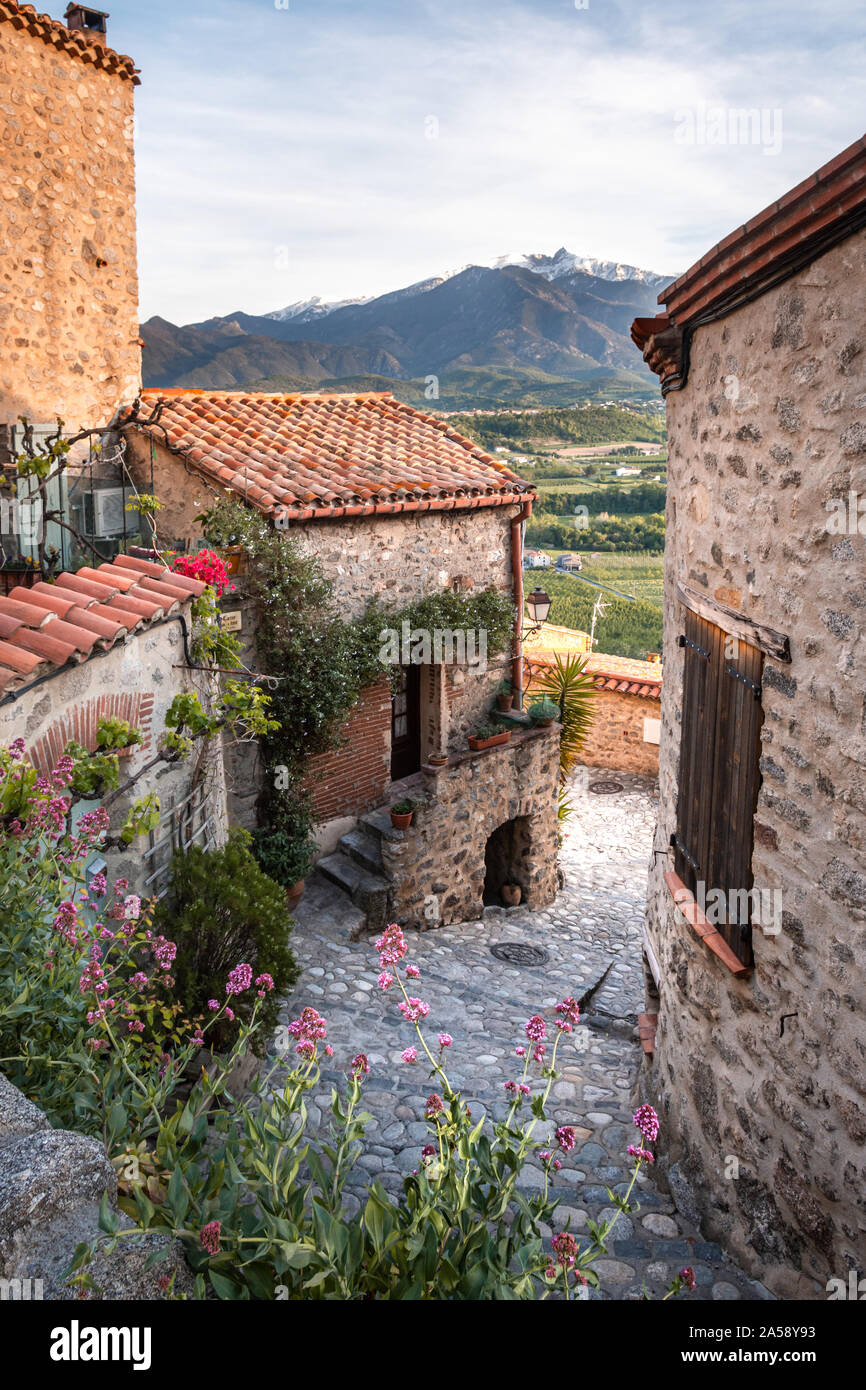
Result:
x=565 y=1246
x=634 y=1151
x=213 y=1005
x=429 y=1150
x=520 y=1051
x=132 y=907
x=239 y=979
x=445 y=1040
x=410 y=1055
x=210 y=1237
x=647 y=1121
x=688 y=1277
x=385 y=981
x=230 y=1015
x=391 y=946
x=329 y=1051
x=265 y=982
x=538 y=1053
x=360 y=1065
x=137 y=1026
x=569 y=1009
x=412 y=972
x=536 y=1028
x=414 y=1009
x=435 y=1106
x=565 y=1138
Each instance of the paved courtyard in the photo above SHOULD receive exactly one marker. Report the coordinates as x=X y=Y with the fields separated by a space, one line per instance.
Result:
x=592 y=936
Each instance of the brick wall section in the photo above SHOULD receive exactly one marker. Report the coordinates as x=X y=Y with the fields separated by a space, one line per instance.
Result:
x=616 y=736
x=354 y=778
x=770 y=428
x=68 y=322
x=80 y=723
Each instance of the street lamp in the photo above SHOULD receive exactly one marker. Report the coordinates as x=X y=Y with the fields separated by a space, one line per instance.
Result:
x=538 y=607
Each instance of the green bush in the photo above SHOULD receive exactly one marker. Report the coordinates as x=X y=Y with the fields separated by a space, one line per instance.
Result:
x=223 y=908
x=284 y=845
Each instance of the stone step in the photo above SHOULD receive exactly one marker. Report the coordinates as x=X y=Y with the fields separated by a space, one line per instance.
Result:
x=368 y=891
x=378 y=824
x=364 y=848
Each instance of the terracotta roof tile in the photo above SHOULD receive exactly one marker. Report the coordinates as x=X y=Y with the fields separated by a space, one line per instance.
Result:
x=337 y=455
x=71 y=41
x=52 y=624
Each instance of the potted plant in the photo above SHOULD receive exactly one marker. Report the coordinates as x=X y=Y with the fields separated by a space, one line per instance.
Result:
x=285 y=847
x=543 y=712
x=488 y=736
x=402 y=813
x=437 y=759
x=504 y=696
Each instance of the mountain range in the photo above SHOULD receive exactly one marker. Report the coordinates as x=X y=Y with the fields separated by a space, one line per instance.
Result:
x=524 y=321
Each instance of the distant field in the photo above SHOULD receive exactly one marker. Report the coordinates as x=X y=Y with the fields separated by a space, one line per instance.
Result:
x=624 y=628
x=631 y=573
x=593 y=484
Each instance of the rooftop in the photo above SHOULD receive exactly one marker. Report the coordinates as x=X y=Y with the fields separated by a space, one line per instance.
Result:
x=48 y=626
x=73 y=41
x=614 y=673
x=321 y=456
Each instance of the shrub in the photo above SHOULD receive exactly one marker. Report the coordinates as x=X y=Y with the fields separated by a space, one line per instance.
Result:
x=223 y=908
x=284 y=846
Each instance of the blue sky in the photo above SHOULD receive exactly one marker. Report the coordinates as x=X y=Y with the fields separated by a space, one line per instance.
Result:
x=344 y=149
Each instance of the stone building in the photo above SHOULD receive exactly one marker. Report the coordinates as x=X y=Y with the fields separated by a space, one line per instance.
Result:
x=396 y=506
x=113 y=643
x=68 y=269
x=757 y=890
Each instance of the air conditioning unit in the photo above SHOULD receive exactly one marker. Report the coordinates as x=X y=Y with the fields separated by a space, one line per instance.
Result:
x=104 y=512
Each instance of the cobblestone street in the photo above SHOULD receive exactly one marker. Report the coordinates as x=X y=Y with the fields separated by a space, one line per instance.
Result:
x=592 y=937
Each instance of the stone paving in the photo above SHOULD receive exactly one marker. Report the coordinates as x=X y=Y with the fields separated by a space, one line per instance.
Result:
x=592 y=934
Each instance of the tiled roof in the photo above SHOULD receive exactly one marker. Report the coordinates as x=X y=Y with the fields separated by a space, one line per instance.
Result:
x=330 y=455
x=828 y=205
x=48 y=625
x=623 y=676
x=72 y=41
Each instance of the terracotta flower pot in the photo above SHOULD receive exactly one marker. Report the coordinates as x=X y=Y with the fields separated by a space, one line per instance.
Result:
x=401 y=821
x=504 y=703
x=478 y=744
x=295 y=893
x=437 y=760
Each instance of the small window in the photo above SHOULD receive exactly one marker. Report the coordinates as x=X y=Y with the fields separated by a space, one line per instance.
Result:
x=719 y=775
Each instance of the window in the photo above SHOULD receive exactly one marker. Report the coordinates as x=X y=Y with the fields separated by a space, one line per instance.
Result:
x=719 y=776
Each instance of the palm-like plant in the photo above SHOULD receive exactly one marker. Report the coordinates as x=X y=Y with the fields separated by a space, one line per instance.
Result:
x=568 y=684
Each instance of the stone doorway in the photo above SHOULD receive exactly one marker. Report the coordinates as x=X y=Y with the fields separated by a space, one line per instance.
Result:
x=506 y=858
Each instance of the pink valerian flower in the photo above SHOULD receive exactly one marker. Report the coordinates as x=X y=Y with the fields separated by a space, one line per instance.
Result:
x=545 y=1155
x=524 y=1089
x=120 y=887
x=445 y=1040
x=65 y=922
x=565 y=1138
x=550 y=1272
x=429 y=1150
x=647 y=1121
x=520 y=1051
x=412 y=972
x=230 y=1015
x=264 y=984
x=565 y=1246
x=309 y=1029
x=635 y=1151
x=165 y=952
x=137 y=1026
x=410 y=1056
x=139 y=980
x=385 y=981
x=239 y=979
x=213 y=1005
x=391 y=946
x=329 y=1051
x=360 y=1066
x=435 y=1106
x=210 y=1237
x=132 y=907
x=538 y=1053
x=98 y=886
x=16 y=750
x=688 y=1277
x=569 y=1009
x=414 y=1009
x=536 y=1029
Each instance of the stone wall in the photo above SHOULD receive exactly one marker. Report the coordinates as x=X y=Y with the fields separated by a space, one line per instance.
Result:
x=137 y=678
x=68 y=275
x=437 y=866
x=616 y=738
x=769 y=430
x=51 y=1185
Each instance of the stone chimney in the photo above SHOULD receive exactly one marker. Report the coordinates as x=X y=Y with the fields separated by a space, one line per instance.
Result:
x=92 y=23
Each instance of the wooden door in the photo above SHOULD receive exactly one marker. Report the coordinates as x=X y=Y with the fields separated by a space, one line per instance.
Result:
x=406 y=723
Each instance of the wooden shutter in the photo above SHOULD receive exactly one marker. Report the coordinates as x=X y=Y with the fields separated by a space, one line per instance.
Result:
x=719 y=776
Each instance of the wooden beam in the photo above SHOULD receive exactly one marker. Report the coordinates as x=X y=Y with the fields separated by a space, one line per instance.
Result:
x=766 y=639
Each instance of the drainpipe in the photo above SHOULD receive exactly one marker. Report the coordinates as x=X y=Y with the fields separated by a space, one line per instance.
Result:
x=517 y=572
